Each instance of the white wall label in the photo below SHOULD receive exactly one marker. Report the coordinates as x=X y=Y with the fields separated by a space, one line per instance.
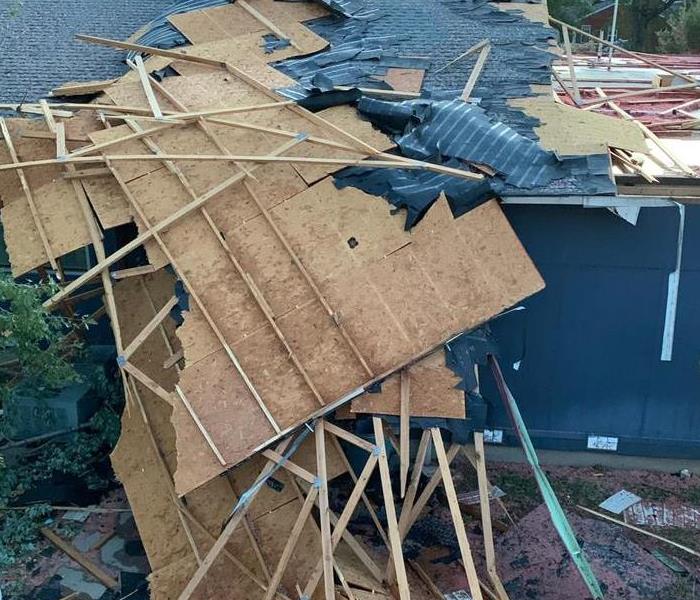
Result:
x=602 y=442
x=493 y=436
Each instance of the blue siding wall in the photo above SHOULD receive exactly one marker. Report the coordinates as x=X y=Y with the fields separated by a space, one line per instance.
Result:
x=589 y=345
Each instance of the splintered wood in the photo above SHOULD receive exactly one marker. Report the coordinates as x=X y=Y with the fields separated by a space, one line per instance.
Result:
x=267 y=299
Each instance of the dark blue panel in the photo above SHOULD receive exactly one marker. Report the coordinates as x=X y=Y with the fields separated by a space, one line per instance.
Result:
x=589 y=345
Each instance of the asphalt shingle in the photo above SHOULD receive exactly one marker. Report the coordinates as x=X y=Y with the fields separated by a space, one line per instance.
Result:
x=37 y=49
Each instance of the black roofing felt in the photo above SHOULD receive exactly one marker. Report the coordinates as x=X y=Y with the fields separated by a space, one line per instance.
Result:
x=454 y=133
x=427 y=34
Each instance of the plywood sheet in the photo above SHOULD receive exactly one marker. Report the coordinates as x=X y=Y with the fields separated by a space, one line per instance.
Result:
x=398 y=294
x=233 y=20
x=200 y=27
x=433 y=392
x=57 y=205
x=108 y=200
x=405 y=80
x=572 y=131
x=345 y=117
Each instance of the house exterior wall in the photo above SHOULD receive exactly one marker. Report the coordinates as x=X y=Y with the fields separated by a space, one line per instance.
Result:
x=587 y=348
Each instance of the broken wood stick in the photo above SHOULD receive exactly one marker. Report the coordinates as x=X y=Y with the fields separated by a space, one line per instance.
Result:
x=97 y=572
x=485 y=507
x=640 y=530
x=269 y=158
x=457 y=520
x=405 y=429
x=394 y=534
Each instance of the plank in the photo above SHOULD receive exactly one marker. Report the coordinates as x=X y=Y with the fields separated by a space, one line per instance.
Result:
x=200 y=425
x=405 y=430
x=147 y=89
x=343 y=519
x=640 y=530
x=456 y=513
x=476 y=72
x=570 y=62
x=152 y=325
x=291 y=542
x=485 y=508
x=68 y=548
x=267 y=23
x=326 y=541
x=394 y=535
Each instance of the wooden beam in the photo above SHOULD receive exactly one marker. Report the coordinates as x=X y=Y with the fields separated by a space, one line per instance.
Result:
x=593 y=103
x=164 y=224
x=132 y=271
x=81 y=89
x=485 y=507
x=30 y=199
x=365 y=500
x=140 y=376
x=70 y=550
x=150 y=327
x=326 y=541
x=343 y=520
x=394 y=535
x=456 y=513
x=570 y=62
x=350 y=437
x=200 y=426
x=475 y=48
x=292 y=542
x=267 y=23
x=290 y=466
x=394 y=163
x=427 y=492
x=61 y=150
x=405 y=429
x=476 y=72
x=675 y=159
x=415 y=478
x=147 y=89
x=640 y=530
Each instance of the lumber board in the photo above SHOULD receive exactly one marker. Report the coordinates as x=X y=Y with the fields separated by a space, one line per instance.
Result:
x=95 y=570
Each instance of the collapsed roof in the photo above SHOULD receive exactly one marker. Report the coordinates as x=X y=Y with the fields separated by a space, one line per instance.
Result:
x=278 y=263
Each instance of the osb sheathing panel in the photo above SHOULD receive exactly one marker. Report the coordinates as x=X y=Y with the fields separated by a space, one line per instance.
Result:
x=203 y=25
x=398 y=294
x=432 y=392
x=199 y=28
x=56 y=203
x=147 y=483
x=405 y=80
x=571 y=131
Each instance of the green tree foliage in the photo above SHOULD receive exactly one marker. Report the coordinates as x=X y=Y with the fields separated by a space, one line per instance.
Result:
x=36 y=346
x=570 y=11
x=640 y=20
x=37 y=350
x=683 y=31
